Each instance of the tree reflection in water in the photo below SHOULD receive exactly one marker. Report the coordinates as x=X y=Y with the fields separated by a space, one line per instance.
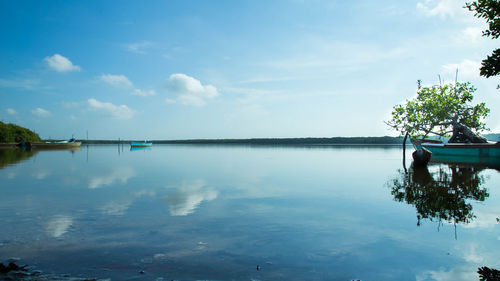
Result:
x=11 y=156
x=441 y=192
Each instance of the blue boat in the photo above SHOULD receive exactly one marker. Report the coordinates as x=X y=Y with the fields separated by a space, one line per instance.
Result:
x=464 y=149
x=471 y=153
x=141 y=144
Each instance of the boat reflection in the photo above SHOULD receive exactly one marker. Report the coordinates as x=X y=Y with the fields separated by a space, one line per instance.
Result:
x=136 y=148
x=441 y=192
x=13 y=155
x=485 y=162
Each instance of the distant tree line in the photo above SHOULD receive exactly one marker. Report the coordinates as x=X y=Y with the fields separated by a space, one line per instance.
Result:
x=272 y=141
x=293 y=141
x=14 y=133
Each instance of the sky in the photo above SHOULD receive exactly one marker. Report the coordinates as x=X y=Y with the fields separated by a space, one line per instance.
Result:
x=231 y=69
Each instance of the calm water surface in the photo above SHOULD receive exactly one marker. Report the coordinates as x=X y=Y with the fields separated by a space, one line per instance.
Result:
x=247 y=213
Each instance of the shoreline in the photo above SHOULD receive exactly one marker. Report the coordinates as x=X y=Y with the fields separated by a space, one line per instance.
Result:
x=267 y=141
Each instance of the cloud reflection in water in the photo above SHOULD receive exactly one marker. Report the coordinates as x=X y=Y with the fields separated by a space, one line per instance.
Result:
x=116 y=208
x=119 y=207
x=41 y=174
x=58 y=225
x=118 y=174
x=188 y=197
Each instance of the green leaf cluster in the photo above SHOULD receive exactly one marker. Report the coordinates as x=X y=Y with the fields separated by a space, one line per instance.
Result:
x=14 y=133
x=435 y=109
x=491 y=65
x=490 y=11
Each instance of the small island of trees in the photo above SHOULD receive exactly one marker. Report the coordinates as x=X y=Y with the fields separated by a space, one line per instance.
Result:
x=11 y=133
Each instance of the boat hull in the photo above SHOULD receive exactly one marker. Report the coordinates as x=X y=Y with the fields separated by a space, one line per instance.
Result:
x=484 y=154
x=54 y=145
x=492 y=162
x=483 y=150
x=141 y=144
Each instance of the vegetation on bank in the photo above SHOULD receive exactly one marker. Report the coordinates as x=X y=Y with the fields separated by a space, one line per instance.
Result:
x=281 y=141
x=293 y=141
x=271 y=141
x=14 y=133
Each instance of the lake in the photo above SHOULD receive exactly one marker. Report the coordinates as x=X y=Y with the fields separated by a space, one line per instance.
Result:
x=181 y=212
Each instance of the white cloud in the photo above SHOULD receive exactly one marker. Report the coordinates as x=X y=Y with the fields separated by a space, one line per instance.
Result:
x=116 y=111
x=143 y=93
x=466 y=69
x=252 y=91
x=11 y=111
x=40 y=112
x=330 y=57
x=472 y=34
x=139 y=48
x=61 y=64
x=25 y=84
x=70 y=104
x=189 y=90
x=116 y=80
x=442 y=8
x=123 y=82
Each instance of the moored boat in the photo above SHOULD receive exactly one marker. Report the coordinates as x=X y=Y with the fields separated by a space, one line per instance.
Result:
x=489 y=149
x=66 y=144
x=141 y=144
x=490 y=162
x=484 y=154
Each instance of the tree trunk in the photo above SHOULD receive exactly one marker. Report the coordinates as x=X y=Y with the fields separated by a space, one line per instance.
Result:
x=462 y=134
x=421 y=157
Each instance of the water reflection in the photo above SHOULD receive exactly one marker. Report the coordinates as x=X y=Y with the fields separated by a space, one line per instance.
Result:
x=300 y=214
x=119 y=174
x=140 y=148
x=58 y=225
x=120 y=206
x=188 y=197
x=441 y=191
x=13 y=156
x=116 y=208
x=41 y=173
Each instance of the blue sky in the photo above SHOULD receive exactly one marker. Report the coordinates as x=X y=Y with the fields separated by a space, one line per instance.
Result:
x=230 y=69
